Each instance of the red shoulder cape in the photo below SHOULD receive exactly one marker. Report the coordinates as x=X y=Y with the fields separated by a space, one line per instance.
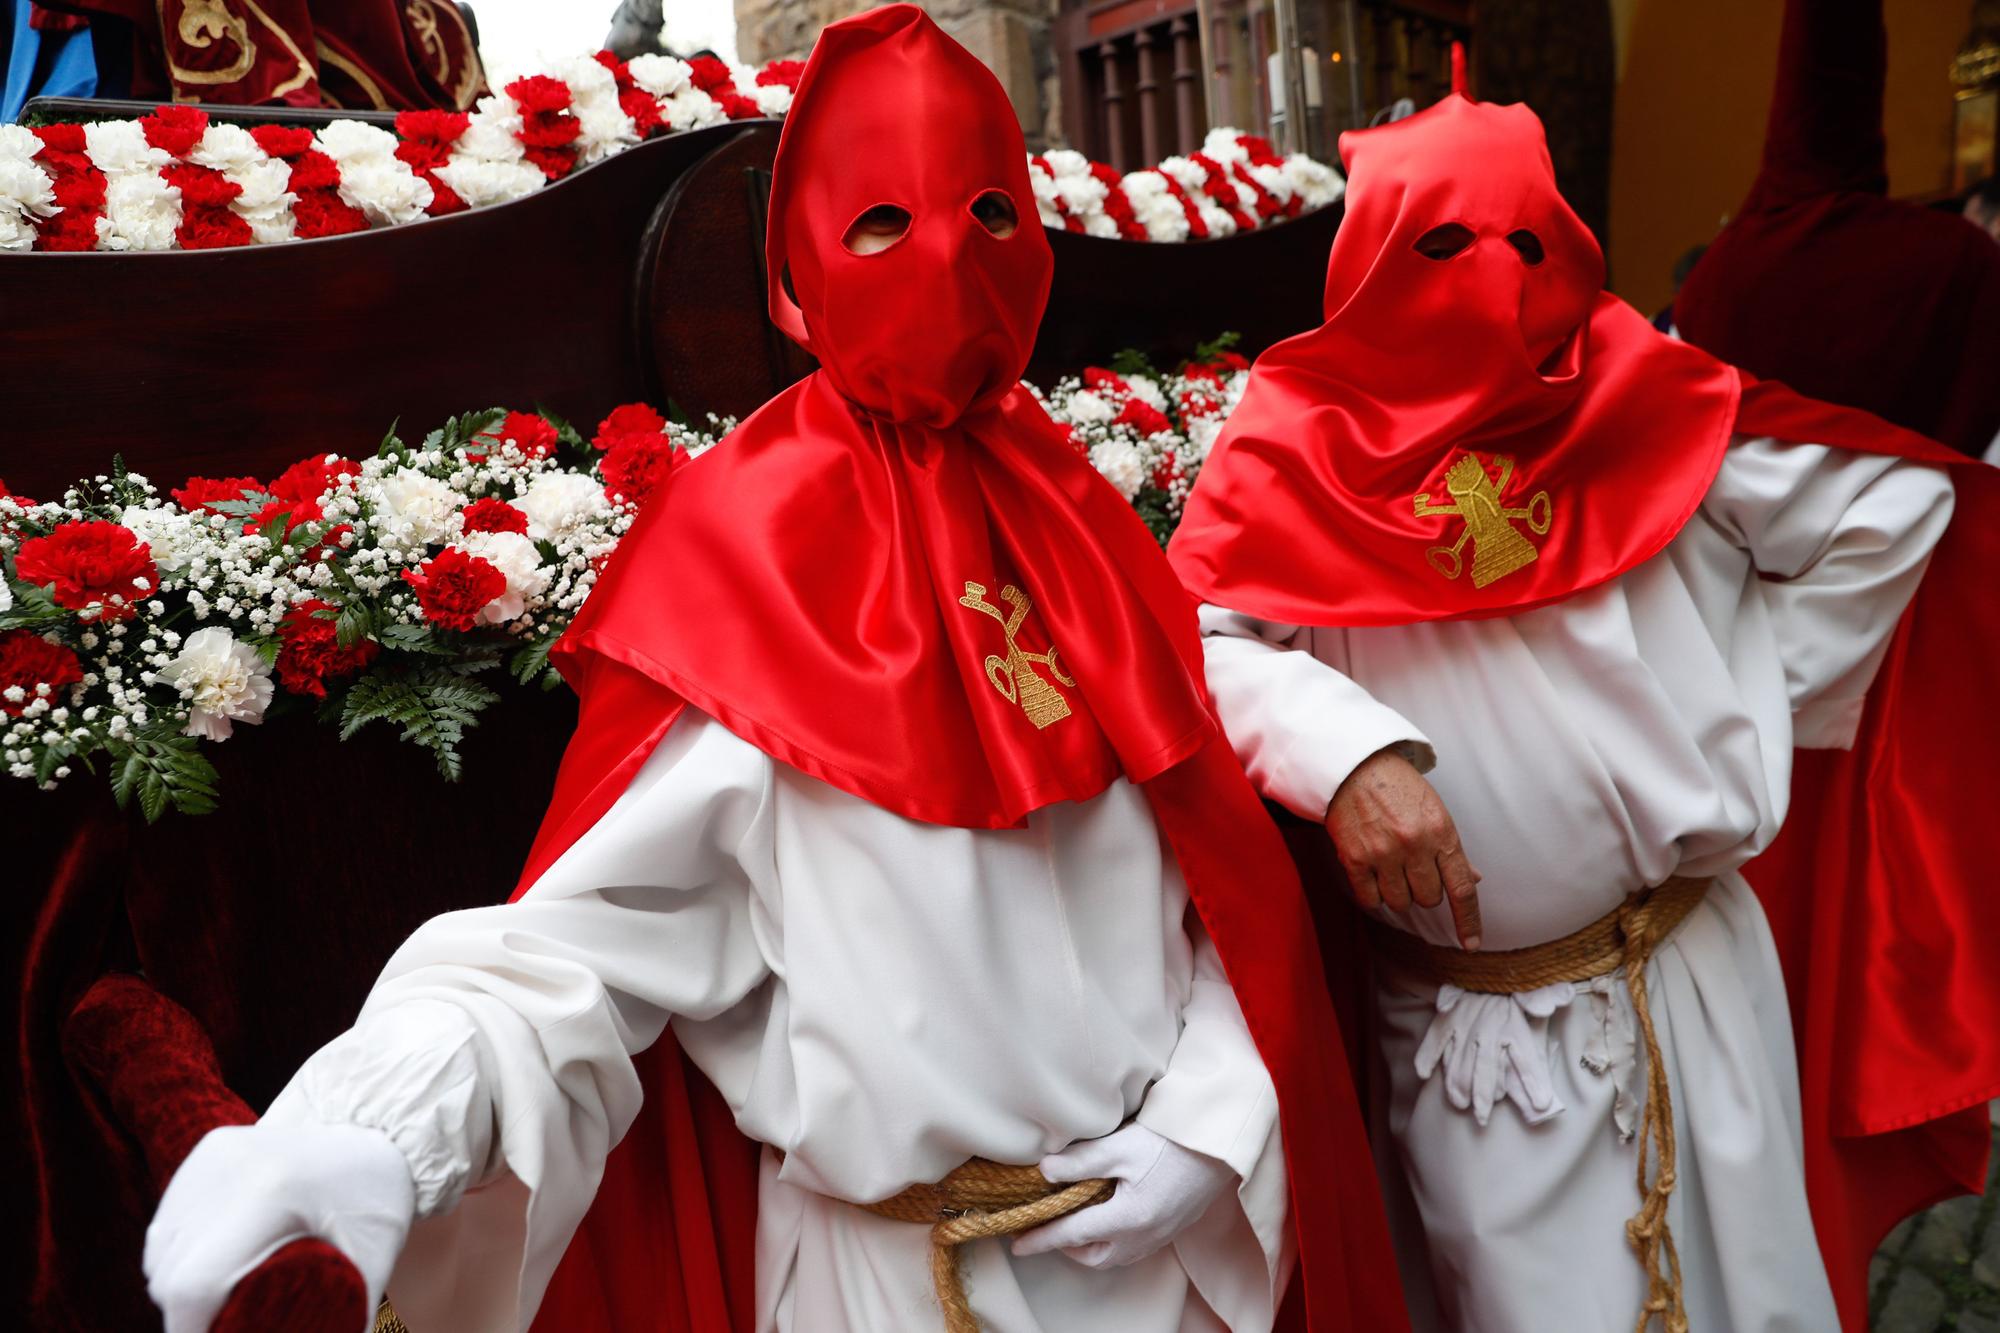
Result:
x=1879 y=888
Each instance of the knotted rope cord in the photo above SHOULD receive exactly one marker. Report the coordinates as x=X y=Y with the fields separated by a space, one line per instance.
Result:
x=975 y=1201
x=1622 y=940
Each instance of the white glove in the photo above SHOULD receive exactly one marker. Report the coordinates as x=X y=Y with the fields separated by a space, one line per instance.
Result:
x=1163 y=1189
x=1494 y=1048
x=247 y=1190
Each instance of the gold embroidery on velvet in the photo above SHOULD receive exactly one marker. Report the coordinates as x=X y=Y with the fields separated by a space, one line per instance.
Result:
x=1014 y=675
x=202 y=21
x=1498 y=548
x=369 y=88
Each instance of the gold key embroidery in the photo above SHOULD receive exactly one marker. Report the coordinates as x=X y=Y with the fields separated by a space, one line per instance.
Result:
x=1014 y=675
x=1498 y=548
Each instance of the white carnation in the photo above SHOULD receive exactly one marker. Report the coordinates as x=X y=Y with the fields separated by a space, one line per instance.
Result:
x=224 y=681
x=1201 y=433
x=773 y=99
x=605 y=130
x=560 y=502
x=173 y=536
x=1223 y=145
x=662 y=76
x=691 y=109
x=1147 y=391
x=18 y=142
x=1192 y=180
x=119 y=147
x=1315 y=183
x=352 y=140
x=1155 y=206
x=491 y=137
x=388 y=191
x=417 y=509
x=514 y=556
x=1086 y=407
x=6 y=597
x=141 y=212
x=480 y=182
x=227 y=148
x=1120 y=463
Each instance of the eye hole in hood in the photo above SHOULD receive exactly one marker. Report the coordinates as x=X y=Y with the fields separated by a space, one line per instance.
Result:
x=877 y=229
x=1442 y=242
x=1528 y=245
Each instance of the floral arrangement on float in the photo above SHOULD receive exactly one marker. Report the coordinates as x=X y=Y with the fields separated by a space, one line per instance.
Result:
x=1147 y=432
x=137 y=628
x=174 y=179
x=1235 y=183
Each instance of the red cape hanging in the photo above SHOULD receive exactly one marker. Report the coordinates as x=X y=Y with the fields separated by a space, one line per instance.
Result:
x=899 y=578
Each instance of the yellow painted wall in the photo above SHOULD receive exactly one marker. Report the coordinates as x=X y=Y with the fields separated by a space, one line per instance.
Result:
x=1694 y=86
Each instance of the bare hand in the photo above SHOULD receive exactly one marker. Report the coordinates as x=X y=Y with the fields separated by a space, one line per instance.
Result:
x=1399 y=845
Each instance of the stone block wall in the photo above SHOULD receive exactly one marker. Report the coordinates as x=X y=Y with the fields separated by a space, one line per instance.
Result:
x=1010 y=36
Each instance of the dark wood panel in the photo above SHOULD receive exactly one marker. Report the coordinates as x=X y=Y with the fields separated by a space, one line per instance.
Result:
x=1163 y=299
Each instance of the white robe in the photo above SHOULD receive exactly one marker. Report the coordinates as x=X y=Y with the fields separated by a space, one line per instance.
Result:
x=1637 y=731
x=878 y=999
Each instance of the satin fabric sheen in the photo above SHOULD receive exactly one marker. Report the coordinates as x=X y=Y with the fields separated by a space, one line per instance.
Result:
x=801 y=584
x=1878 y=889
x=1305 y=512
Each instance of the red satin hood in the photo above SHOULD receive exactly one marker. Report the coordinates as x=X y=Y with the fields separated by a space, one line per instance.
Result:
x=892 y=111
x=898 y=576
x=1477 y=428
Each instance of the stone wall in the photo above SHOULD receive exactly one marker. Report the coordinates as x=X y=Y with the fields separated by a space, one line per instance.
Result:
x=1010 y=36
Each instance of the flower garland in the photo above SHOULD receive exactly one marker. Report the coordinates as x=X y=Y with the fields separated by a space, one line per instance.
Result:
x=176 y=180
x=136 y=627
x=1235 y=183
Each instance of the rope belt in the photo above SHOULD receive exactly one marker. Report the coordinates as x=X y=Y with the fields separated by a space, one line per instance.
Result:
x=1620 y=940
x=978 y=1200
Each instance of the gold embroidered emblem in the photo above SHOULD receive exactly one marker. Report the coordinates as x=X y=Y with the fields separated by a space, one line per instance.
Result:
x=1498 y=548
x=1014 y=675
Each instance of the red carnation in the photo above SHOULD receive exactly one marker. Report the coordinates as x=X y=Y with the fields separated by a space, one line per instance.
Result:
x=1143 y=417
x=644 y=111
x=282 y=141
x=621 y=73
x=308 y=480
x=635 y=466
x=1099 y=380
x=309 y=651
x=201 y=493
x=433 y=127
x=709 y=74
x=736 y=106
x=6 y=494
x=491 y=515
x=315 y=171
x=531 y=434
x=91 y=563
x=538 y=93
x=28 y=660
x=1167 y=471
x=784 y=72
x=65 y=138
x=631 y=419
x=453 y=587
x=176 y=129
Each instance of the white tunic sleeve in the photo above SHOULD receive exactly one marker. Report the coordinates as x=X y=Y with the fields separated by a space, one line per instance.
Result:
x=1299 y=726
x=1841 y=541
x=1216 y=1098
x=495 y=1049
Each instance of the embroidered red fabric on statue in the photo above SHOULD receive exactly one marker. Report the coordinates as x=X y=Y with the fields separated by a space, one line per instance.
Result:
x=1338 y=495
x=880 y=579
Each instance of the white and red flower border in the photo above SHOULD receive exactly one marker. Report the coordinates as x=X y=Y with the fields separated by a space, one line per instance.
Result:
x=137 y=628
x=175 y=179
